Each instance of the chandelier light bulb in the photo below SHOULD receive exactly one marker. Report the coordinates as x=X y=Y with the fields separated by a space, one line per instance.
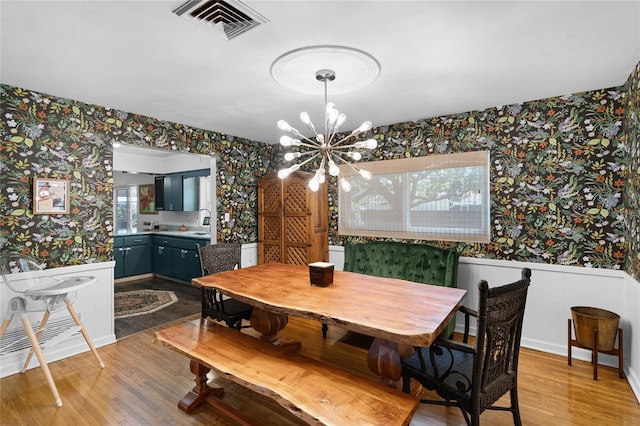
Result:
x=289 y=141
x=344 y=183
x=284 y=173
x=284 y=126
x=314 y=184
x=289 y=156
x=366 y=175
x=322 y=174
x=341 y=119
x=330 y=106
x=354 y=155
x=368 y=144
x=333 y=168
x=333 y=117
x=365 y=127
x=304 y=117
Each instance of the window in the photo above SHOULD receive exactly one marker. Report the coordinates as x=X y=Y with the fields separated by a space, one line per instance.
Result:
x=439 y=197
x=126 y=208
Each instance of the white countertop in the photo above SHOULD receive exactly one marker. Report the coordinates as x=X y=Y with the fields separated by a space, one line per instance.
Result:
x=186 y=234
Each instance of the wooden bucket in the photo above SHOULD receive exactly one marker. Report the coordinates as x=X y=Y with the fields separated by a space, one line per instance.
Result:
x=586 y=319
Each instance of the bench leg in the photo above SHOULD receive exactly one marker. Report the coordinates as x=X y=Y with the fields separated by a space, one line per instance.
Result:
x=201 y=391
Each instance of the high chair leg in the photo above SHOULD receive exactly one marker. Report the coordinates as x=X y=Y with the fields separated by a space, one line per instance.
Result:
x=43 y=363
x=45 y=318
x=5 y=325
x=76 y=318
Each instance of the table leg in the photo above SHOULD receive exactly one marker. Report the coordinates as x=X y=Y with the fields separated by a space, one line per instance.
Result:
x=384 y=359
x=268 y=324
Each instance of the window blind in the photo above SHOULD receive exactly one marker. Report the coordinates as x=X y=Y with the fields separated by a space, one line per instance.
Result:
x=439 y=197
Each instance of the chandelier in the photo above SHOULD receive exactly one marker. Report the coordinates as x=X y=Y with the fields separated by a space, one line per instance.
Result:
x=328 y=146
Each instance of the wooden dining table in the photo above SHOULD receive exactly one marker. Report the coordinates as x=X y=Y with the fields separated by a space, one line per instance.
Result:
x=399 y=314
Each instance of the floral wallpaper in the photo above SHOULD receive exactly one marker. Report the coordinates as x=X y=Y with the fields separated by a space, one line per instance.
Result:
x=558 y=175
x=632 y=187
x=564 y=174
x=51 y=137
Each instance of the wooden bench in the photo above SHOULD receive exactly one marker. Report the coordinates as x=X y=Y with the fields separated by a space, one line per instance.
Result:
x=317 y=393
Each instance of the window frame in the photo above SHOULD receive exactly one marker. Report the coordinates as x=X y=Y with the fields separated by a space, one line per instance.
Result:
x=131 y=207
x=401 y=170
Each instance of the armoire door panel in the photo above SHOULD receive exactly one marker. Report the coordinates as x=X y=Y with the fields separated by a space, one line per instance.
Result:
x=289 y=229
x=272 y=253
x=272 y=228
x=296 y=230
x=296 y=255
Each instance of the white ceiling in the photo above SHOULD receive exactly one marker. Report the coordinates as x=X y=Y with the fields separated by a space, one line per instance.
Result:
x=436 y=58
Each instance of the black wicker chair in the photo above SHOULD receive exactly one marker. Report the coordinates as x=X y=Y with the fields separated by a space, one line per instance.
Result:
x=474 y=377
x=219 y=258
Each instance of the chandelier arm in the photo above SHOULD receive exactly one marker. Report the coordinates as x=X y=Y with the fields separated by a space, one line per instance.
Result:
x=311 y=145
x=338 y=157
x=306 y=152
x=349 y=136
x=308 y=159
x=300 y=135
x=353 y=145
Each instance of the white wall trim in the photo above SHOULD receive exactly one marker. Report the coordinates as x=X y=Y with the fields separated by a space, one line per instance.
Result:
x=554 y=290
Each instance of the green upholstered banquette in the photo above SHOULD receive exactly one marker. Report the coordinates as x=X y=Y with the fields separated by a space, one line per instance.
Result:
x=420 y=263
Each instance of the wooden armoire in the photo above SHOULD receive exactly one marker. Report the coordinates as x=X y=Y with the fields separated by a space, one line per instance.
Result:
x=292 y=220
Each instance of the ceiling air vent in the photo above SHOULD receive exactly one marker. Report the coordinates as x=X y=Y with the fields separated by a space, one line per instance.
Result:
x=228 y=18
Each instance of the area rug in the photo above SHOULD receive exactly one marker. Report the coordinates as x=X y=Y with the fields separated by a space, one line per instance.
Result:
x=139 y=302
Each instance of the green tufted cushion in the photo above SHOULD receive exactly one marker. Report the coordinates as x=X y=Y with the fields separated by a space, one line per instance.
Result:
x=420 y=263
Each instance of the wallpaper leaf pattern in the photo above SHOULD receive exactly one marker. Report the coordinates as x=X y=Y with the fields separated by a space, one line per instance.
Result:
x=556 y=169
x=47 y=136
x=565 y=174
x=632 y=186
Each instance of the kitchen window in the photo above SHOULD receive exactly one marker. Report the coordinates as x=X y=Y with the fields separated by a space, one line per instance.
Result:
x=126 y=201
x=439 y=197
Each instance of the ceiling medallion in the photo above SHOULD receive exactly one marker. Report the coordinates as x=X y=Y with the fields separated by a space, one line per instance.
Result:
x=356 y=68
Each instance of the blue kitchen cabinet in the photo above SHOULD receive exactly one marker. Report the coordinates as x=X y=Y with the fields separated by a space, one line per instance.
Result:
x=179 y=191
x=132 y=255
x=169 y=192
x=186 y=264
x=118 y=256
x=162 y=260
x=176 y=257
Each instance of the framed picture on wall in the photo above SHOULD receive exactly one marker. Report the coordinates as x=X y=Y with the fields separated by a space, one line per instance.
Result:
x=147 y=199
x=50 y=196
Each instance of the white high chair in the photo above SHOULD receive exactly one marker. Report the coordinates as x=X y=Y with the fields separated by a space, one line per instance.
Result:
x=39 y=292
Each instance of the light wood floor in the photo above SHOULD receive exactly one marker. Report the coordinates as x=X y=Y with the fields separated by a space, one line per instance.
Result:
x=143 y=382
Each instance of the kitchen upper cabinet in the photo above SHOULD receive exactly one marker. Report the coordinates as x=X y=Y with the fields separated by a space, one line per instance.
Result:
x=179 y=192
x=292 y=220
x=169 y=193
x=191 y=194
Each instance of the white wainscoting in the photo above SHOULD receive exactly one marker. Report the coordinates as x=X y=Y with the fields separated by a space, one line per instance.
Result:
x=553 y=291
x=94 y=304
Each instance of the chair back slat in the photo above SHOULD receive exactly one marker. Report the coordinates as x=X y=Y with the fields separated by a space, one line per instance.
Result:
x=500 y=318
x=219 y=257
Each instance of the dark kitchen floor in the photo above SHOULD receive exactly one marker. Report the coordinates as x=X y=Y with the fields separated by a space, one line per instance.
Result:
x=188 y=305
